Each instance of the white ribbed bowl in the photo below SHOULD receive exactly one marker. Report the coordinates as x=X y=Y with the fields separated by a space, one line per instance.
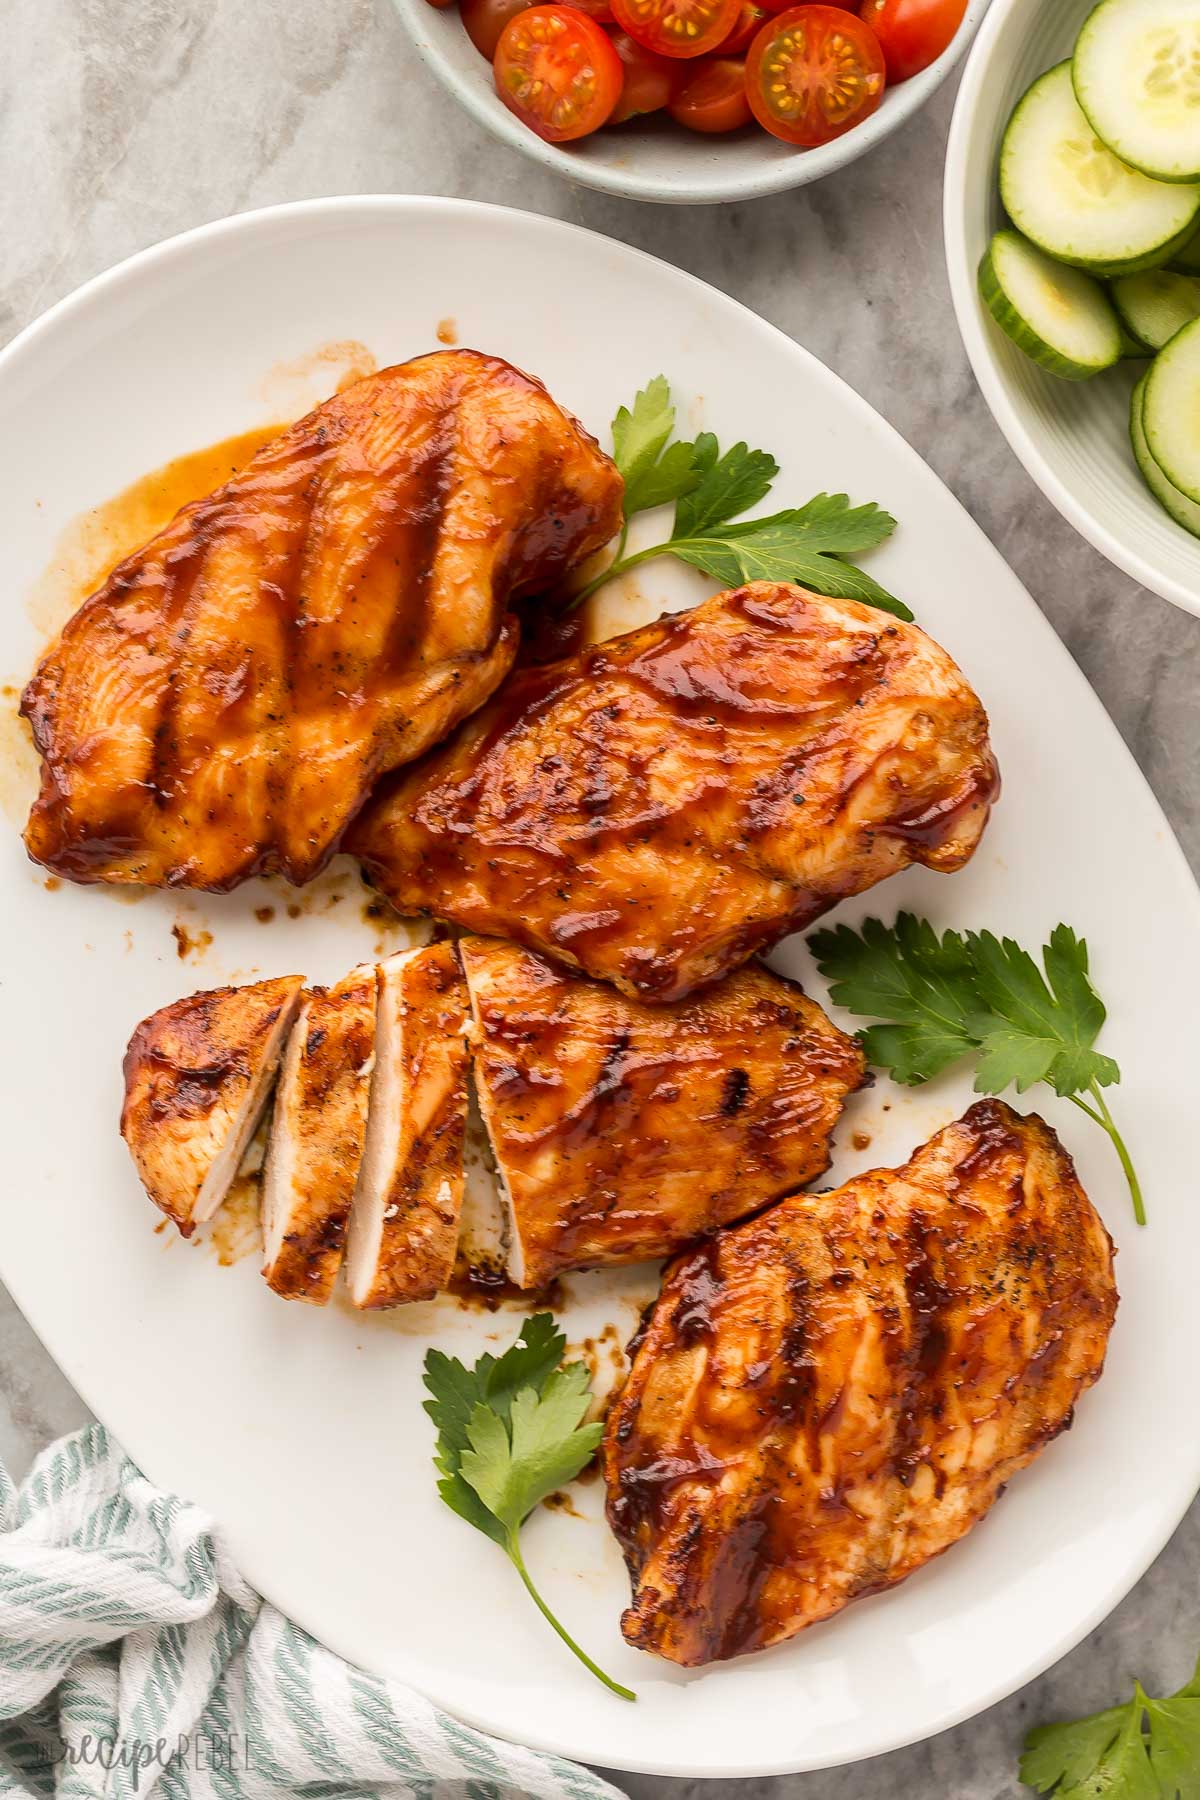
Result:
x=652 y=159
x=1073 y=437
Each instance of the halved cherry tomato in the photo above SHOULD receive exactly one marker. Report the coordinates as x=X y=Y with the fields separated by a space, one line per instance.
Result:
x=714 y=98
x=557 y=71
x=677 y=27
x=650 y=81
x=486 y=19
x=749 y=21
x=912 y=33
x=814 y=73
x=441 y=3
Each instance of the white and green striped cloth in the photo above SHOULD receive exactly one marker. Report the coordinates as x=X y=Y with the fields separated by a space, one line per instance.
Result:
x=134 y=1657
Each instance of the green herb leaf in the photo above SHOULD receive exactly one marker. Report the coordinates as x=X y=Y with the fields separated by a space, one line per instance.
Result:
x=1063 y=1756
x=1145 y=1750
x=1175 y=1745
x=1066 y=960
x=672 y=475
x=1010 y=1056
x=906 y=974
x=529 y=1363
x=457 y=1391
x=727 y=485
x=548 y=1446
x=809 y=544
x=785 y=547
x=640 y=436
x=942 y=998
x=509 y=1432
x=805 y=544
x=1121 y=1768
x=831 y=525
x=639 y=432
x=1048 y=1034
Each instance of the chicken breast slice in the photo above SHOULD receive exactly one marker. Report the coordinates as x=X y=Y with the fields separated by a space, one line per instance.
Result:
x=404 y=1223
x=622 y=1130
x=316 y=1140
x=198 y=1075
x=825 y=1397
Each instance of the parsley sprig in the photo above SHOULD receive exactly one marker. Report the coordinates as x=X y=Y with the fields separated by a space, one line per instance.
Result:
x=1145 y=1750
x=811 y=544
x=510 y=1431
x=973 y=993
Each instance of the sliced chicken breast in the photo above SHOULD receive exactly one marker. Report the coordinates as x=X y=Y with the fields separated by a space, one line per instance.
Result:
x=485 y=1226
x=405 y=1218
x=622 y=1130
x=317 y=1136
x=198 y=1075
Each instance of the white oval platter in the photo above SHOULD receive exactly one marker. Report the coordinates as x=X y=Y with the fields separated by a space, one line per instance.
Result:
x=302 y=1431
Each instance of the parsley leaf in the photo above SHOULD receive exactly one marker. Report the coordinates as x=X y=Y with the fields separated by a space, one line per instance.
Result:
x=548 y=1446
x=510 y=1431
x=456 y=1391
x=803 y=544
x=944 y=998
x=726 y=485
x=831 y=525
x=810 y=544
x=905 y=974
x=1145 y=1750
x=1062 y=1757
x=1175 y=1744
x=654 y=473
x=1066 y=961
x=1051 y=1028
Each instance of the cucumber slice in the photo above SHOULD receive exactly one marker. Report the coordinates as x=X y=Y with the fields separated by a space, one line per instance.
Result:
x=1186 y=259
x=1171 y=410
x=1131 y=349
x=1155 y=305
x=1185 y=512
x=1060 y=317
x=1074 y=199
x=1137 y=77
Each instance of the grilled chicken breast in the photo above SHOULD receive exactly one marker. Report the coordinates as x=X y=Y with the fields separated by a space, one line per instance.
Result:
x=223 y=704
x=405 y=1217
x=198 y=1075
x=829 y=1395
x=622 y=1131
x=655 y=809
x=316 y=1140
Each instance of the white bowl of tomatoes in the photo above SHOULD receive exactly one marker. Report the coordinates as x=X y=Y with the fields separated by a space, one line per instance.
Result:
x=690 y=101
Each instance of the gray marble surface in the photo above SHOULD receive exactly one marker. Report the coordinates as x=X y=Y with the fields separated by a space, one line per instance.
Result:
x=123 y=121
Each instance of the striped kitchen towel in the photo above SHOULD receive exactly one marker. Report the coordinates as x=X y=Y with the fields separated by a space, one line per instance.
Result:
x=134 y=1657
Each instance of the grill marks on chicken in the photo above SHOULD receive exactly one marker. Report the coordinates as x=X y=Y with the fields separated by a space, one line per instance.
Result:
x=657 y=808
x=223 y=704
x=198 y=1076
x=620 y=1130
x=316 y=1140
x=404 y=1223
x=829 y=1395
